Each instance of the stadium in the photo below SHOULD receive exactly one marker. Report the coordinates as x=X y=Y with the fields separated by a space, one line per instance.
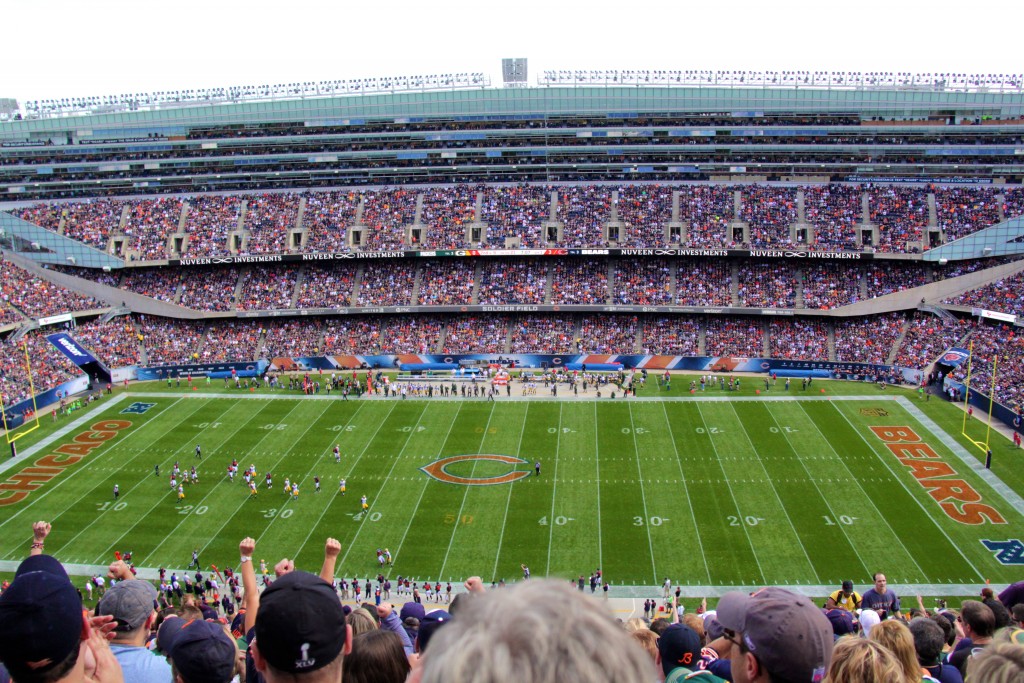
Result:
x=206 y=267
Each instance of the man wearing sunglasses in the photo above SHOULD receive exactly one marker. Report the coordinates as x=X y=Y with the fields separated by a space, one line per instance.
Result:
x=775 y=635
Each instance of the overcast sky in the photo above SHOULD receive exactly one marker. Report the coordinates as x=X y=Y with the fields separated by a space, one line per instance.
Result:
x=55 y=48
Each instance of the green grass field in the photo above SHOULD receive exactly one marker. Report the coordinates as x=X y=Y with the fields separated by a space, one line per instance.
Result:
x=713 y=490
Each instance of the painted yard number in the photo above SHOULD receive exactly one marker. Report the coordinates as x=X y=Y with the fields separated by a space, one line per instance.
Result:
x=749 y=520
x=842 y=519
x=636 y=430
x=560 y=520
x=786 y=430
x=342 y=428
x=653 y=521
x=185 y=509
x=207 y=425
x=272 y=427
x=418 y=429
x=564 y=430
x=708 y=430
x=450 y=519
x=273 y=512
x=103 y=507
x=359 y=516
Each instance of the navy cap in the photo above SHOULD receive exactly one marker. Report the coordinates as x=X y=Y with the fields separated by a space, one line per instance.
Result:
x=429 y=624
x=202 y=652
x=679 y=645
x=300 y=625
x=40 y=617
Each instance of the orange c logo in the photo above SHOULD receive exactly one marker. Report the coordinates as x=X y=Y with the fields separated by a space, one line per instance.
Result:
x=437 y=470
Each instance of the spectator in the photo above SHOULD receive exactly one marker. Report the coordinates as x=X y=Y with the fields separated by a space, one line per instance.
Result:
x=928 y=642
x=377 y=657
x=300 y=630
x=1002 y=661
x=880 y=599
x=132 y=603
x=201 y=652
x=45 y=636
x=778 y=635
x=893 y=635
x=977 y=624
x=855 y=660
x=530 y=639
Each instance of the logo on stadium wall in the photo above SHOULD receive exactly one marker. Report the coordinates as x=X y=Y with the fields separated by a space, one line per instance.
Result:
x=1007 y=552
x=438 y=470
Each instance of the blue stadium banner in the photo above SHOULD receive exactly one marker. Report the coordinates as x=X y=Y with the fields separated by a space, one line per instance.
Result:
x=955 y=356
x=70 y=348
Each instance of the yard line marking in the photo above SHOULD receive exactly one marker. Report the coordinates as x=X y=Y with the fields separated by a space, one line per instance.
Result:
x=827 y=499
x=732 y=493
x=316 y=463
x=864 y=493
x=143 y=482
x=896 y=476
x=66 y=481
x=245 y=498
x=455 y=527
x=554 y=484
x=689 y=500
x=508 y=499
x=408 y=439
x=1008 y=494
x=643 y=495
x=88 y=414
x=426 y=482
x=775 y=491
x=161 y=497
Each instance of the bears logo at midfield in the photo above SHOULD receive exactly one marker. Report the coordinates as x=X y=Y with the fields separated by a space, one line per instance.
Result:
x=438 y=470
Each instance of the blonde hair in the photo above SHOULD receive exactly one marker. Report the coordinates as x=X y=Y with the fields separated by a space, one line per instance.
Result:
x=856 y=660
x=697 y=624
x=896 y=637
x=635 y=624
x=648 y=640
x=361 y=621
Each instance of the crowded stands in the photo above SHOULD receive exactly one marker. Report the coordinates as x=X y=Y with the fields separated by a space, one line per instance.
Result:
x=645 y=282
x=326 y=286
x=269 y=218
x=473 y=334
x=386 y=284
x=531 y=332
x=766 y=285
x=37 y=297
x=867 y=340
x=742 y=337
x=608 y=334
x=671 y=336
x=447 y=283
x=579 y=282
x=520 y=214
x=522 y=281
x=265 y=289
x=447 y=212
x=326 y=220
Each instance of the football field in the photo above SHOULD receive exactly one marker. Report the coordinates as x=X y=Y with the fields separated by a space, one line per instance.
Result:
x=713 y=490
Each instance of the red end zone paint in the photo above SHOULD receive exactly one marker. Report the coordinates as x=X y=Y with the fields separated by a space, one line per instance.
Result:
x=956 y=497
x=437 y=470
x=16 y=489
